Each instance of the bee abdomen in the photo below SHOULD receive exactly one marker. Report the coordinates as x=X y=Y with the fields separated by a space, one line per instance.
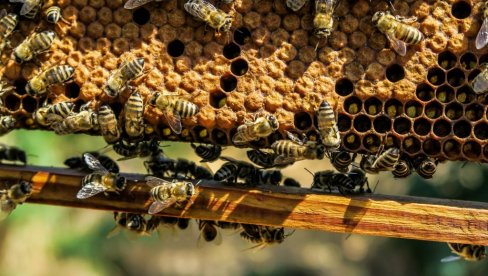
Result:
x=59 y=74
x=410 y=35
x=53 y=14
x=42 y=41
x=62 y=109
x=185 y=108
x=8 y=24
x=133 y=68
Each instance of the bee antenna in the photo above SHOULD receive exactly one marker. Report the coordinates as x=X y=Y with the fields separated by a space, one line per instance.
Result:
x=309 y=171
x=376 y=186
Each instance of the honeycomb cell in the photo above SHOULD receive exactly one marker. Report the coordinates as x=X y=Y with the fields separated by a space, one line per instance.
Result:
x=468 y=61
x=442 y=128
x=473 y=75
x=351 y=141
x=19 y=85
x=446 y=60
x=344 y=87
x=72 y=90
x=454 y=111
x=462 y=129
x=228 y=83
x=344 y=122
x=217 y=99
x=481 y=130
x=303 y=121
x=465 y=94
x=431 y=147
x=176 y=48
x=411 y=145
x=424 y=92
x=371 y=142
x=219 y=136
x=393 y=108
x=445 y=94
x=456 y=77
x=433 y=110
x=436 y=76
x=373 y=106
x=12 y=102
x=242 y=36
x=472 y=150
x=422 y=126
x=231 y=51
x=353 y=105
x=239 y=67
x=413 y=109
x=402 y=125
x=474 y=112
x=451 y=148
x=392 y=141
x=362 y=123
x=461 y=9
x=29 y=104
x=382 y=124
x=141 y=16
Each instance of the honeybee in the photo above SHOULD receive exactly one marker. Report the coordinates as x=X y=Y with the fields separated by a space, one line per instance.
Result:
x=482 y=37
x=402 y=168
x=49 y=114
x=135 y=223
x=7 y=123
x=264 y=159
x=209 y=232
x=133 y=115
x=184 y=169
x=261 y=127
x=83 y=121
x=53 y=15
x=295 y=5
x=159 y=165
x=289 y=151
x=328 y=179
x=480 y=82
x=382 y=162
x=164 y=193
x=55 y=75
x=133 y=150
x=8 y=22
x=215 y=18
x=13 y=196
x=101 y=180
x=108 y=124
x=77 y=162
x=234 y=169
x=341 y=160
x=132 y=4
x=30 y=7
x=290 y=182
x=263 y=235
x=174 y=109
x=327 y=126
x=397 y=31
x=127 y=71
x=12 y=154
x=425 y=166
x=209 y=152
x=323 y=21
x=467 y=252
x=33 y=45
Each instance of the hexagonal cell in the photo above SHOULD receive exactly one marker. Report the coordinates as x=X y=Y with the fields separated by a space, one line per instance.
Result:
x=395 y=72
x=393 y=108
x=371 y=142
x=472 y=150
x=344 y=87
x=468 y=61
x=239 y=67
x=446 y=60
x=29 y=104
x=392 y=141
x=351 y=141
x=382 y=124
x=231 y=51
x=201 y=134
x=481 y=130
x=454 y=111
x=353 y=105
x=141 y=16
x=451 y=148
x=12 y=102
x=455 y=77
x=422 y=126
x=433 y=110
x=442 y=128
x=19 y=85
x=474 y=112
x=303 y=121
x=411 y=145
x=461 y=9
x=473 y=75
x=465 y=94
x=402 y=125
x=176 y=48
x=436 y=76
x=445 y=94
x=413 y=109
x=72 y=90
x=242 y=35
x=424 y=92
x=373 y=106
x=218 y=99
x=219 y=136
x=228 y=83
x=313 y=135
x=462 y=129
x=116 y=108
x=344 y=122
x=362 y=123
x=431 y=147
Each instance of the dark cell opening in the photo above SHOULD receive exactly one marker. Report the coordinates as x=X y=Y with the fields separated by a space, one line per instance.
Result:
x=242 y=35
x=303 y=121
x=228 y=83
x=372 y=142
x=413 y=109
x=176 y=48
x=239 y=67
x=474 y=112
x=344 y=87
x=393 y=108
x=313 y=135
x=275 y=137
x=455 y=77
x=117 y=108
x=261 y=143
x=77 y=104
x=422 y=126
x=353 y=105
x=395 y=73
x=451 y=148
x=72 y=90
x=436 y=76
x=351 y=141
x=454 y=111
x=231 y=51
x=446 y=60
x=465 y=95
x=344 y=122
x=481 y=131
x=141 y=16
x=12 y=102
x=442 y=128
x=362 y=123
x=461 y=9
x=219 y=136
x=29 y=104
x=373 y=106
x=472 y=150
x=462 y=129
x=483 y=59
x=433 y=110
x=425 y=92
x=411 y=145
x=217 y=99
x=402 y=125
x=432 y=147
x=20 y=86
x=468 y=61
x=473 y=75
x=382 y=124
x=445 y=94
x=201 y=134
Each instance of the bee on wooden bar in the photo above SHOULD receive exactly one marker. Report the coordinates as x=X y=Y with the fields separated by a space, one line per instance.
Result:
x=13 y=196
x=261 y=127
x=290 y=182
x=327 y=126
x=133 y=4
x=30 y=8
x=127 y=71
x=480 y=82
x=133 y=115
x=53 y=15
x=78 y=162
x=7 y=124
x=159 y=165
x=295 y=5
x=263 y=235
x=83 y=121
x=234 y=169
x=265 y=159
x=135 y=223
x=289 y=151
x=209 y=152
x=138 y=149
x=397 y=31
x=39 y=84
x=33 y=45
x=164 y=193
x=215 y=18
x=328 y=179
x=482 y=37
x=185 y=169
x=49 y=114
x=209 y=232
x=101 y=180
x=8 y=22
x=402 y=168
x=228 y=225
x=12 y=154
x=323 y=21
x=467 y=252
x=174 y=109
x=108 y=124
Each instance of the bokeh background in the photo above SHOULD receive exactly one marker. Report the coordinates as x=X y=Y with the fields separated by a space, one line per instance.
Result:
x=50 y=240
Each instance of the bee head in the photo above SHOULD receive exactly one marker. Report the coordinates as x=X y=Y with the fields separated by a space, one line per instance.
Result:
x=135 y=222
x=14 y=16
x=153 y=145
x=17 y=58
x=276 y=177
x=190 y=190
x=273 y=122
x=25 y=187
x=320 y=151
x=322 y=32
x=140 y=61
x=377 y=16
x=154 y=97
x=21 y=156
x=29 y=90
x=120 y=183
x=225 y=25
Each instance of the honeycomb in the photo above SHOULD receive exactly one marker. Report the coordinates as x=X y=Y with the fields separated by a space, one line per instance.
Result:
x=421 y=102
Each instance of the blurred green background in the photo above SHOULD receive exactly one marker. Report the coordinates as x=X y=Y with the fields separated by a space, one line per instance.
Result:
x=49 y=240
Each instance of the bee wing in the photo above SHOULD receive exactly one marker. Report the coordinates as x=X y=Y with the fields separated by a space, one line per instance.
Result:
x=239 y=139
x=152 y=181
x=174 y=120
x=28 y=6
x=94 y=164
x=294 y=138
x=157 y=206
x=3 y=13
x=283 y=160
x=6 y=208
x=199 y=9
x=482 y=37
x=89 y=190
x=132 y=4
x=451 y=258
x=399 y=46
x=113 y=232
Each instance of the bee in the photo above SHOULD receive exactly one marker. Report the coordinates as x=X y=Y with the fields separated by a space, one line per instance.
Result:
x=263 y=235
x=8 y=22
x=341 y=160
x=289 y=151
x=7 y=123
x=262 y=127
x=359 y=179
x=135 y=223
x=13 y=196
x=290 y=182
x=209 y=152
x=77 y=162
x=30 y=7
x=234 y=169
x=215 y=18
x=12 y=154
x=480 y=82
x=397 y=31
x=55 y=75
x=83 y=121
x=402 y=168
x=467 y=252
x=261 y=177
x=209 y=232
x=133 y=150
x=228 y=225
x=295 y=5
x=425 y=166
x=159 y=165
x=323 y=20
x=174 y=109
x=53 y=15
x=164 y=193
x=133 y=4
x=134 y=111
x=108 y=124
x=482 y=37
x=383 y=162
x=327 y=126
x=33 y=45
x=49 y=114
x=264 y=159
x=127 y=71
x=188 y=169
x=328 y=179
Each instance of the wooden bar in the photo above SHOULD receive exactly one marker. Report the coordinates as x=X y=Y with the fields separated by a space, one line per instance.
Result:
x=379 y=215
